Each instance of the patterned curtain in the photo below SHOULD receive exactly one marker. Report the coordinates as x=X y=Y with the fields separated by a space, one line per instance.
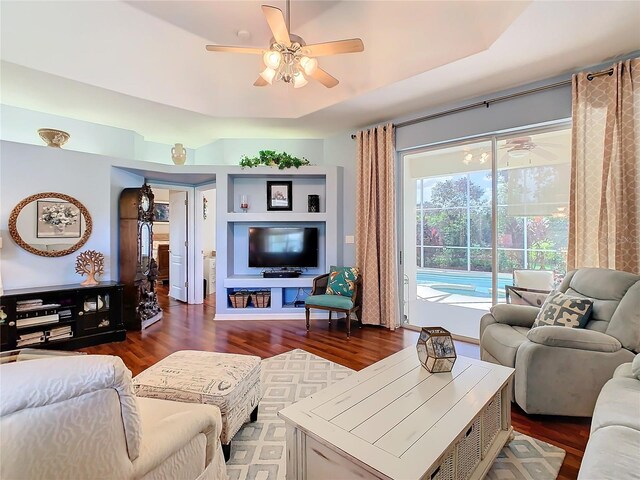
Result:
x=376 y=226
x=604 y=204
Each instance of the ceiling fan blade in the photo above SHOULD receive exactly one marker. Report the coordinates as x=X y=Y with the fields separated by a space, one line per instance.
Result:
x=324 y=78
x=232 y=49
x=546 y=154
x=352 y=45
x=260 y=82
x=276 y=22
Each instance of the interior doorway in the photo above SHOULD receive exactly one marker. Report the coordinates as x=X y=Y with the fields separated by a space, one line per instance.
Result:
x=171 y=243
x=184 y=234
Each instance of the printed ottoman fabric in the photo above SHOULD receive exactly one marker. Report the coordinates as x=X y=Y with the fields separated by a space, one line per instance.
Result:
x=342 y=281
x=230 y=382
x=564 y=311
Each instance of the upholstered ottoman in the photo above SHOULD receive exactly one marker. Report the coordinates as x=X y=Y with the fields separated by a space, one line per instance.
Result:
x=230 y=382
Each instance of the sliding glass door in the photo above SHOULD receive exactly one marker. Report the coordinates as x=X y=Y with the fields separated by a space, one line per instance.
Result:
x=472 y=214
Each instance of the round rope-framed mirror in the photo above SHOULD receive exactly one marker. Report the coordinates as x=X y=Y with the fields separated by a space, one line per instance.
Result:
x=50 y=224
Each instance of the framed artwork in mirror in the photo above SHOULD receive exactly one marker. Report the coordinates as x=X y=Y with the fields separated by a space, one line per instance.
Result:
x=50 y=224
x=279 y=196
x=161 y=212
x=57 y=219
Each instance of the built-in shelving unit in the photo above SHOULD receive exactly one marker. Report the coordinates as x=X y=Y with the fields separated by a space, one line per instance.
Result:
x=232 y=225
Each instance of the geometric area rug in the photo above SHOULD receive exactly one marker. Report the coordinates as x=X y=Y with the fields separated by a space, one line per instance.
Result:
x=258 y=450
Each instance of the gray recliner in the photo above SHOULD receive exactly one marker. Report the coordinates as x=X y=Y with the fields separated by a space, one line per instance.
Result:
x=560 y=370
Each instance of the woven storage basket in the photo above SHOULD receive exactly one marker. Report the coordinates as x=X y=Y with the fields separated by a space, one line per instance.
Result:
x=491 y=423
x=261 y=298
x=468 y=451
x=239 y=299
x=446 y=468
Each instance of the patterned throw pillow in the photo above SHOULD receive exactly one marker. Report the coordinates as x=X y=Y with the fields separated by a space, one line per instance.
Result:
x=342 y=281
x=564 y=311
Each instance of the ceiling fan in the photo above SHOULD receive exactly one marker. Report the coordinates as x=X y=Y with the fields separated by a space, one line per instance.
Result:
x=519 y=147
x=288 y=57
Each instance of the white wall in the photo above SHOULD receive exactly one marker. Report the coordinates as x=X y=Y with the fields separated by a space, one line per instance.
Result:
x=21 y=125
x=26 y=170
x=229 y=151
x=84 y=176
x=340 y=150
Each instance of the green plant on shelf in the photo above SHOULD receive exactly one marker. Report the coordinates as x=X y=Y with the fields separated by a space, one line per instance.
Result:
x=271 y=158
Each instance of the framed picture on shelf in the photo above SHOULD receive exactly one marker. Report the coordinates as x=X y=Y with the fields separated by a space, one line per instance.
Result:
x=161 y=212
x=57 y=219
x=279 y=195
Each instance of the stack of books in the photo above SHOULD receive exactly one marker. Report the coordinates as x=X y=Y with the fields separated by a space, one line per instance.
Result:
x=33 y=338
x=36 y=312
x=59 y=333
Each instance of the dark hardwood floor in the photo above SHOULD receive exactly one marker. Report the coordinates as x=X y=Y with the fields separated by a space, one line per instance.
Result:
x=192 y=327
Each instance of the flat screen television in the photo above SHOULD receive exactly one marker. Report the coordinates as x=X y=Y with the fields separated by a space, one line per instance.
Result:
x=280 y=247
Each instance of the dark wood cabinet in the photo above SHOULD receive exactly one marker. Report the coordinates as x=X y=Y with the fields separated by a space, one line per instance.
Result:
x=62 y=316
x=138 y=268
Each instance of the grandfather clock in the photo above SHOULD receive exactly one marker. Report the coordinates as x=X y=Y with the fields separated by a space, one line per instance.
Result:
x=138 y=268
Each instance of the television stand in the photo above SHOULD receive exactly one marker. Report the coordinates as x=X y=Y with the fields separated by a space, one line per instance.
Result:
x=281 y=274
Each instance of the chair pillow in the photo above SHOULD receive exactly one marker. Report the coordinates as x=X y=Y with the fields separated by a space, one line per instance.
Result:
x=342 y=281
x=564 y=311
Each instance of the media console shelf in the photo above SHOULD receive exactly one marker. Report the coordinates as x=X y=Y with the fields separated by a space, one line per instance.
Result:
x=252 y=281
x=232 y=227
x=62 y=316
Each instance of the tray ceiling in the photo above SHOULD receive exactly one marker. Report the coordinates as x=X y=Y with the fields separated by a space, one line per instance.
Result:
x=143 y=63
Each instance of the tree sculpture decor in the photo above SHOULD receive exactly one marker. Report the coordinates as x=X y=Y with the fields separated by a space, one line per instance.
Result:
x=90 y=263
x=271 y=158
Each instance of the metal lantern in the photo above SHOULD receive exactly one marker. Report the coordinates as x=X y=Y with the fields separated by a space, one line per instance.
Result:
x=436 y=350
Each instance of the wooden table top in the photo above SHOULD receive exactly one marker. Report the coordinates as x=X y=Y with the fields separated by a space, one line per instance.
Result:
x=396 y=417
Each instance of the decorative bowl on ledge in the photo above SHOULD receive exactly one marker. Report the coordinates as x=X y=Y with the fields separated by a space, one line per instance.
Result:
x=53 y=138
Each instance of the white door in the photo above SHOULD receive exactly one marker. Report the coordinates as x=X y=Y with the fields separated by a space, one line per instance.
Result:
x=178 y=245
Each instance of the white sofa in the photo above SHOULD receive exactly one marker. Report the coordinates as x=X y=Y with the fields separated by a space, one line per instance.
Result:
x=613 y=451
x=77 y=418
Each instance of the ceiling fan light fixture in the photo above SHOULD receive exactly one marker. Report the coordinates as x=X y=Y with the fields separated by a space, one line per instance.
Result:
x=299 y=80
x=289 y=58
x=272 y=59
x=309 y=65
x=268 y=74
x=518 y=153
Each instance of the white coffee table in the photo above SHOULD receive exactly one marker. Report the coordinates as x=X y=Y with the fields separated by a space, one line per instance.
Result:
x=395 y=420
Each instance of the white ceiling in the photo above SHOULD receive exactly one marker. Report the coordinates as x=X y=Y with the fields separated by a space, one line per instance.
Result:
x=142 y=65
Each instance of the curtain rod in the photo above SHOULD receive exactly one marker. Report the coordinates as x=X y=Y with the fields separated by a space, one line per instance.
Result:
x=502 y=98
x=608 y=71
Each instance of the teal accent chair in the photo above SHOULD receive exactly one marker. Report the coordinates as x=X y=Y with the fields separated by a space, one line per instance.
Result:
x=334 y=303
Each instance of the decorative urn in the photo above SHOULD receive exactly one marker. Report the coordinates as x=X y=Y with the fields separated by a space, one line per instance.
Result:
x=178 y=154
x=436 y=350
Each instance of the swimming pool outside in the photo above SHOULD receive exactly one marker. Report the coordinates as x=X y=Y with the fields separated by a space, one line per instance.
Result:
x=471 y=284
